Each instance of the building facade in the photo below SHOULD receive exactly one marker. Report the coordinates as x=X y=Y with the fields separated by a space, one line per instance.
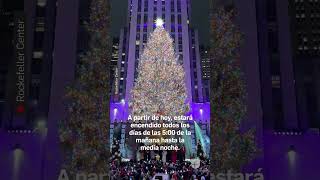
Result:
x=195 y=67
x=205 y=69
x=305 y=34
x=114 y=64
x=26 y=71
x=27 y=41
x=288 y=36
x=120 y=73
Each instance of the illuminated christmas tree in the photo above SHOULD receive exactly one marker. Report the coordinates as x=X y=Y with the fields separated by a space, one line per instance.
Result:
x=160 y=85
x=231 y=148
x=84 y=134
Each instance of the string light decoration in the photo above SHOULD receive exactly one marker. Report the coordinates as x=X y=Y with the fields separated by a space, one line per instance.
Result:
x=230 y=148
x=84 y=133
x=160 y=85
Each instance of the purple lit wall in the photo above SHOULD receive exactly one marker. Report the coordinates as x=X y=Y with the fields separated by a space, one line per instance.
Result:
x=291 y=156
x=27 y=163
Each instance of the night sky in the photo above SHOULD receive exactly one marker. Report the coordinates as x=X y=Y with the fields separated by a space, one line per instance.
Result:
x=199 y=17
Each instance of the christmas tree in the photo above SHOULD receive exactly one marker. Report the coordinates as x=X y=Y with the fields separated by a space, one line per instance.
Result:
x=84 y=134
x=160 y=85
x=231 y=148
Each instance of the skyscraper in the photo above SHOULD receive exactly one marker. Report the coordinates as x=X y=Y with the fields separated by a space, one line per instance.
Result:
x=50 y=37
x=26 y=69
x=289 y=38
x=305 y=33
x=26 y=53
x=205 y=69
x=176 y=14
x=120 y=73
x=114 y=63
x=195 y=67
x=6 y=52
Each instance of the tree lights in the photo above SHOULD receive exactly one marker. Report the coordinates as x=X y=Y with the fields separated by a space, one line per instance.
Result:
x=160 y=86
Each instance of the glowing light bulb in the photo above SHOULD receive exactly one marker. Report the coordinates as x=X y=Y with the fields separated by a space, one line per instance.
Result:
x=159 y=22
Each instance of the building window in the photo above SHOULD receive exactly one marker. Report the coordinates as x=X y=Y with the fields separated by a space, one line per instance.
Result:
x=41 y=3
x=35 y=90
x=40 y=11
x=144 y=38
x=172 y=6
x=139 y=19
x=173 y=29
x=179 y=6
x=275 y=81
x=154 y=17
x=38 y=40
x=273 y=41
x=36 y=66
x=40 y=24
x=145 y=5
x=145 y=18
x=139 y=5
x=37 y=54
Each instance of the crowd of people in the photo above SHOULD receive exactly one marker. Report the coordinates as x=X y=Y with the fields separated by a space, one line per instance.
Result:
x=163 y=155
x=172 y=164
x=147 y=169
